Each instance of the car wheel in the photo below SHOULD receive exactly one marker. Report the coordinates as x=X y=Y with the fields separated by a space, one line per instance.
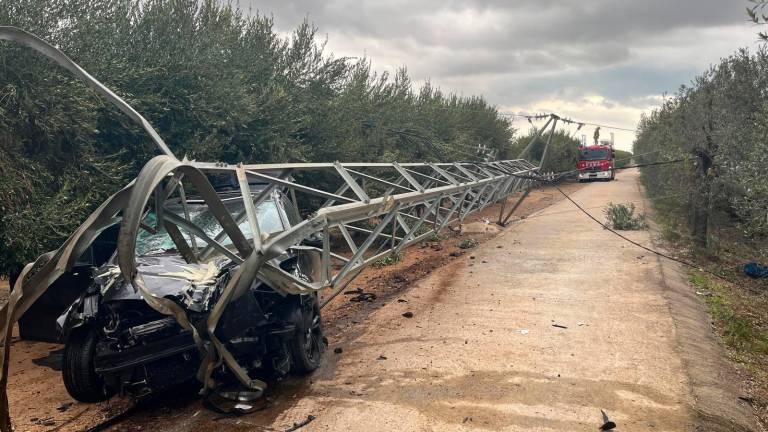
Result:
x=80 y=378
x=307 y=343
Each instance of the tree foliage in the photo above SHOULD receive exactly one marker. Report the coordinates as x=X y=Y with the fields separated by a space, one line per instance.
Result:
x=217 y=83
x=757 y=13
x=562 y=155
x=623 y=158
x=719 y=123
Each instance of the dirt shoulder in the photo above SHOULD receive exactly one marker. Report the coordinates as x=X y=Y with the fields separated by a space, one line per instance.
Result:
x=39 y=401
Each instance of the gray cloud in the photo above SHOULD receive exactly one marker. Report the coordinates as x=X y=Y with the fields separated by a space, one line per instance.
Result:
x=520 y=53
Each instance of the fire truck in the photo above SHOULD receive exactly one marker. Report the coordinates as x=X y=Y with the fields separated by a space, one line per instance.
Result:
x=596 y=162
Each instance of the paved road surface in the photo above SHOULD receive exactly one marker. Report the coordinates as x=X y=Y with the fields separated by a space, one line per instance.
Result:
x=482 y=350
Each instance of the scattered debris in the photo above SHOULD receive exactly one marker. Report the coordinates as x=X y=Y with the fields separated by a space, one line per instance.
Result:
x=64 y=406
x=408 y=315
x=559 y=326
x=705 y=292
x=399 y=278
x=233 y=402
x=301 y=424
x=360 y=295
x=607 y=424
x=338 y=350
x=468 y=243
x=524 y=331
x=756 y=270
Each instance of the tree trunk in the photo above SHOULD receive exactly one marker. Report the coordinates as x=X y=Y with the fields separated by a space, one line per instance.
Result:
x=700 y=220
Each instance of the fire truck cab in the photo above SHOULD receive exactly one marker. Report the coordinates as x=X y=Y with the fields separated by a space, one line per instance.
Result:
x=596 y=162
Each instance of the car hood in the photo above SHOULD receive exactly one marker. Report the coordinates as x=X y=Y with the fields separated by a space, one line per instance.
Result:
x=164 y=276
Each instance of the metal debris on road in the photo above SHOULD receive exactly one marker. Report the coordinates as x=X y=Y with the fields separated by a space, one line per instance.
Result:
x=301 y=424
x=607 y=424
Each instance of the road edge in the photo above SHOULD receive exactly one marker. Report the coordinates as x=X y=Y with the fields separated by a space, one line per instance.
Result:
x=714 y=381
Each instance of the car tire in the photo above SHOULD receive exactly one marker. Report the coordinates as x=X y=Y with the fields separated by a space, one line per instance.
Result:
x=307 y=343
x=80 y=379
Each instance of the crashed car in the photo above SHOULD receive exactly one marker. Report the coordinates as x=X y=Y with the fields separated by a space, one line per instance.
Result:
x=116 y=343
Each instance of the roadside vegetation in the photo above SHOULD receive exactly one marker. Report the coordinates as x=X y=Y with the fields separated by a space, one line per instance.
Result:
x=623 y=217
x=561 y=156
x=713 y=203
x=218 y=83
x=623 y=158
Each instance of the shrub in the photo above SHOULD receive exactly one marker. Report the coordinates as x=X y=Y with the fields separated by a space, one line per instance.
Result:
x=623 y=217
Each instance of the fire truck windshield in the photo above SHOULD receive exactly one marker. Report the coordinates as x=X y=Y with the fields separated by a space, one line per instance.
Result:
x=594 y=154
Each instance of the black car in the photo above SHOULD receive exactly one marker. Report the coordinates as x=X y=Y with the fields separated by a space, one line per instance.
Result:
x=116 y=343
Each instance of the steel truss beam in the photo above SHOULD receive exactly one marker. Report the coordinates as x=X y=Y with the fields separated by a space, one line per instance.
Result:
x=373 y=209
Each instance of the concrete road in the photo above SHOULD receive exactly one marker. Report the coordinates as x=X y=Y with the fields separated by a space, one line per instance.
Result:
x=539 y=329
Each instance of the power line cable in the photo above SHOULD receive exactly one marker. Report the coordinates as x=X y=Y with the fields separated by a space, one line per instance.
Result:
x=555 y=177
x=565 y=120
x=653 y=251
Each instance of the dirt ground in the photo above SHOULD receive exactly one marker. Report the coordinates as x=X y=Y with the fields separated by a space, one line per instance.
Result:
x=539 y=327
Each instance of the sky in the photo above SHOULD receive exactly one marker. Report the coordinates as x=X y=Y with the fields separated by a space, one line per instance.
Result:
x=600 y=61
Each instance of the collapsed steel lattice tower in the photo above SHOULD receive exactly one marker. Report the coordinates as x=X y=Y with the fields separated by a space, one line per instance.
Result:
x=377 y=208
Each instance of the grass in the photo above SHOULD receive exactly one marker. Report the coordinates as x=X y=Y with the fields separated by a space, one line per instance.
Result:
x=388 y=260
x=437 y=237
x=738 y=326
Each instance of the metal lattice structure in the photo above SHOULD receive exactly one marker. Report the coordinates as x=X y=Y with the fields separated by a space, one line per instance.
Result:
x=377 y=209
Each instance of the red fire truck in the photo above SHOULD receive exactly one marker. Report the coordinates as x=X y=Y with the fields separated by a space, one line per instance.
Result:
x=596 y=162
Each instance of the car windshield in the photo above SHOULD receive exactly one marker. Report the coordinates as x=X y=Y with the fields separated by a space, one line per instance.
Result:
x=149 y=244
x=594 y=154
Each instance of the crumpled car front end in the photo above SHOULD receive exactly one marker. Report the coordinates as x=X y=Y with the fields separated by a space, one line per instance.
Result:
x=116 y=343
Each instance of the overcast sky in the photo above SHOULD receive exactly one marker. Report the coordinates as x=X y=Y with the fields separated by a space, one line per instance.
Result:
x=603 y=61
